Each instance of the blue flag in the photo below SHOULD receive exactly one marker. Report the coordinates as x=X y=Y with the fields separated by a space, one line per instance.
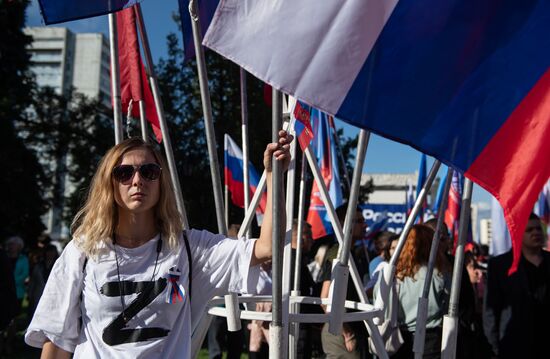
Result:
x=56 y=11
x=206 y=12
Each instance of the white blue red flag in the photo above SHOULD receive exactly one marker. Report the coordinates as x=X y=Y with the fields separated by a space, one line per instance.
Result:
x=324 y=148
x=234 y=175
x=56 y=11
x=464 y=81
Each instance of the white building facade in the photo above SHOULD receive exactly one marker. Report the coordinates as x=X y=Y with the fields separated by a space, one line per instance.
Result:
x=63 y=60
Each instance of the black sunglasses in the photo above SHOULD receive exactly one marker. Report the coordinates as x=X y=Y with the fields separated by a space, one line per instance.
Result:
x=148 y=171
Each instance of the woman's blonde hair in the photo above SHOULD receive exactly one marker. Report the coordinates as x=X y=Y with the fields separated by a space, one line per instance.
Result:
x=96 y=221
x=416 y=253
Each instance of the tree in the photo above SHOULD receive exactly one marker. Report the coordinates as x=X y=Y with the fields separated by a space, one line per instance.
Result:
x=69 y=133
x=22 y=181
x=180 y=93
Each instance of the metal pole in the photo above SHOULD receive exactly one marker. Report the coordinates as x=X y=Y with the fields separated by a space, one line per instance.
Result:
x=226 y=197
x=340 y=271
x=233 y=322
x=357 y=282
x=314 y=166
x=162 y=120
x=295 y=327
x=385 y=284
x=115 y=79
x=422 y=311
x=244 y=131
x=287 y=254
x=249 y=213
x=276 y=350
x=300 y=227
x=450 y=321
x=143 y=120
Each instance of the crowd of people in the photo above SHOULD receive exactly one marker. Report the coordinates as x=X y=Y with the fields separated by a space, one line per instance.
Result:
x=128 y=242
x=25 y=272
x=499 y=315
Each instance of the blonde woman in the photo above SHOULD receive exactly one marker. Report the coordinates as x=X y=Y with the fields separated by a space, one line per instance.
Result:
x=121 y=287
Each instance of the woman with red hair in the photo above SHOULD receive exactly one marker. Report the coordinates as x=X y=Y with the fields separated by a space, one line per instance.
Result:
x=411 y=273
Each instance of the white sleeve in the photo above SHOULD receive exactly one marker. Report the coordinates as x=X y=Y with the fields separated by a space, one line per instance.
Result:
x=221 y=265
x=57 y=317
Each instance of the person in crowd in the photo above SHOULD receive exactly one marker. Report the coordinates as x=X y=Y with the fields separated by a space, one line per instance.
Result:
x=20 y=265
x=471 y=342
x=309 y=344
x=380 y=242
x=352 y=342
x=411 y=271
x=387 y=252
x=517 y=305
x=39 y=276
x=131 y=283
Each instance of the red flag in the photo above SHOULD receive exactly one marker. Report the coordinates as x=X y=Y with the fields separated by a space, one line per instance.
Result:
x=133 y=78
x=304 y=131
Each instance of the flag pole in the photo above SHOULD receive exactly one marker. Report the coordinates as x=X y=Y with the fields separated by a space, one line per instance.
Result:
x=162 y=120
x=450 y=321
x=143 y=120
x=233 y=321
x=115 y=78
x=422 y=311
x=340 y=269
x=385 y=284
x=276 y=350
x=244 y=131
x=295 y=327
x=358 y=283
x=287 y=254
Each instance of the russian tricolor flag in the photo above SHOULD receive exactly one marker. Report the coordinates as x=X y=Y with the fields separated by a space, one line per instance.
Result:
x=234 y=175
x=465 y=81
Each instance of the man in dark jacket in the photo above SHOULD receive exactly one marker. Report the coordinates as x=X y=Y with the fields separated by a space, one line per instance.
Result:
x=517 y=307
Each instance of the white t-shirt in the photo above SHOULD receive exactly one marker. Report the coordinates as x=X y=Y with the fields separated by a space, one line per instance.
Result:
x=93 y=326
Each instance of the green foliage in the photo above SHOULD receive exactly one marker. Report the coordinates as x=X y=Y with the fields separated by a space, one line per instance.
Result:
x=69 y=133
x=179 y=86
x=21 y=202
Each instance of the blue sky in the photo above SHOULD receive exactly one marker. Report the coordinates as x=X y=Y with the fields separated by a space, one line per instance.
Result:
x=382 y=155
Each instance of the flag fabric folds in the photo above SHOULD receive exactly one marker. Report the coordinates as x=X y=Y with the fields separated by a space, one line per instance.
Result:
x=206 y=10
x=324 y=147
x=465 y=81
x=438 y=198
x=454 y=204
x=134 y=86
x=500 y=236
x=234 y=175
x=302 y=125
x=56 y=11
